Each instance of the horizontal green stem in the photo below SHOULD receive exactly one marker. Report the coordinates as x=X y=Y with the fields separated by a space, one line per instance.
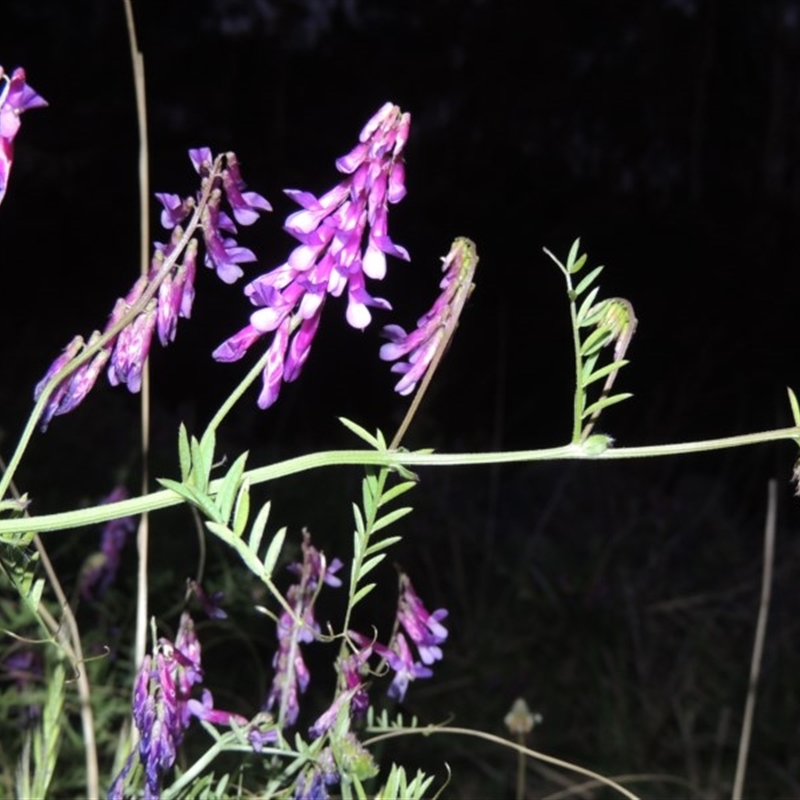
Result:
x=391 y=459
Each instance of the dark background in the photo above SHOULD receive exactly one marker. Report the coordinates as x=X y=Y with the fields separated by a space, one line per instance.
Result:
x=664 y=133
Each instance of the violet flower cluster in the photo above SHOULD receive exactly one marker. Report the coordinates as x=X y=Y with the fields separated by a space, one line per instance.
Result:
x=291 y=673
x=15 y=98
x=101 y=568
x=415 y=625
x=421 y=345
x=166 y=293
x=343 y=239
x=425 y=631
x=163 y=705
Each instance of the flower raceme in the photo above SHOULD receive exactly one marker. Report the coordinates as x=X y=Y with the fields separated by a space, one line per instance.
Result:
x=163 y=705
x=343 y=239
x=291 y=674
x=434 y=328
x=157 y=300
x=15 y=97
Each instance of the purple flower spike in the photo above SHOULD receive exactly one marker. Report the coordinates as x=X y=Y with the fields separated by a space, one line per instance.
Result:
x=101 y=569
x=343 y=240
x=291 y=677
x=424 y=629
x=422 y=344
x=245 y=205
x=15 y=98
x=132 y=349
x=167 y=292
x=163 y=706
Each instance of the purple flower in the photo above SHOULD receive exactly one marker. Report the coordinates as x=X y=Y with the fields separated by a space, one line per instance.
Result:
x=401 y=660
x=101 y=568
x=425 y=631
x=424 y=628
x=343 y=240
x=163 y=706
x=23 y=666
x=291 y=674
x=422 y=344
x=222 y=252
x=166 y=293
x=15 y=98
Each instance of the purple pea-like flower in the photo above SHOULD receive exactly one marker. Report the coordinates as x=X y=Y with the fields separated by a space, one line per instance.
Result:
x=291 y=677
x=101 y=568
x=421 y=345
x=163 y=706
x=343 y=239
x=423 y=628
x=166 y=293
x=16 y=97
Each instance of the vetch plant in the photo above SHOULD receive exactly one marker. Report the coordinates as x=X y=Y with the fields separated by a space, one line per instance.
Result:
x=314 y=733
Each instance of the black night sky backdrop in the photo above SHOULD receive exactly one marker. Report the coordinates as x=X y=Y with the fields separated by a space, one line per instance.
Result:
x=664 y=133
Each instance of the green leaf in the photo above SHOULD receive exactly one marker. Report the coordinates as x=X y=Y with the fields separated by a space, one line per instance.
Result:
x=573 y=254
x=230 y=485
x=587 y=281
x=184 y=452
x=203 y=458
x=370 y=564
x=606 y=370
x=605 y=402
x=362 y=433
x=588 y=366
x=395 y=491
x=795 y=406
x=194 y=496
x=391 y=517
x=578 y=265
x=273 y=551
x=362 y=593
x=382 y=544
x=595 y=341
x=359 y=520
x=586 y=307
x=242 y=511
x=257 y=531
x=220 y=530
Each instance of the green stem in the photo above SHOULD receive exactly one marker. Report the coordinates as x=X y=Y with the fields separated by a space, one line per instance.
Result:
x=389 y=459
x=577 y=405
x=234 y=397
